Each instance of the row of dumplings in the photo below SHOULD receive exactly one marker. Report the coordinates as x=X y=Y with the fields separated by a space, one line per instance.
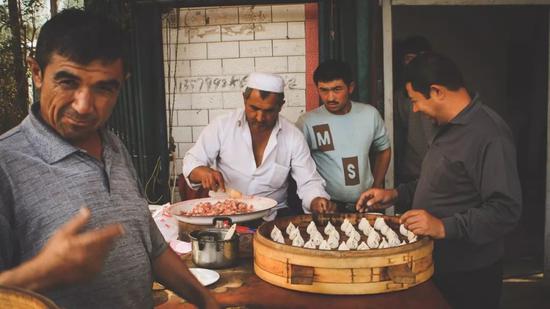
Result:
x=373 y=233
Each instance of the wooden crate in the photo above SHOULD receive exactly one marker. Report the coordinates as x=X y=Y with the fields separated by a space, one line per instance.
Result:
x=340 y=272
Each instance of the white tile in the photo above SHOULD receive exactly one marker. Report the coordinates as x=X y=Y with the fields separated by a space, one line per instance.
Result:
x=232 y=100
x=182 y=85
x=296 y=30
x=175 y=35
x=192 y=17
x=293 y=12
x=221 y=16
x=255 y=48
x=177 y=68
x=238 y=66
x=206 y=67
x=193 y=117
x=189 y=51
x=172 y=52
x=271 y=64
x=295 y=97
x=169 y=19
x=166 y=88
x=183 y=148
x=205 y=34
x=215 y=113
x=264 y=31
x=223 y=50
x=220 y=83
x=296 y=64
x=254 y=14
x=182 y=134
x=206 y=100
x=167 y=69
x=174 y=118
x=169 y=86
x=292 y=113
x=238 y=32
x=294 y=80
x=181 y=101
x=226 y=83
x=176 y=169
x=292 y=47
x=196 y=132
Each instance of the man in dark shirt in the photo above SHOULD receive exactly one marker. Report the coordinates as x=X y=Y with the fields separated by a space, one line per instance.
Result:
x=468 y=196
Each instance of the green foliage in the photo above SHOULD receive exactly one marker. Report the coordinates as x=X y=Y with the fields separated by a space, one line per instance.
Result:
x=10 y=115
x=32 y=15
x=71 y=4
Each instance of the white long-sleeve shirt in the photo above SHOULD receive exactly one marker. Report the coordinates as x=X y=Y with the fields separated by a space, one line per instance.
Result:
x=226 y=145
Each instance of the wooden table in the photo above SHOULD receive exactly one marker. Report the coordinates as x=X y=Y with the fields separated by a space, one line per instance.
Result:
x=240 y=287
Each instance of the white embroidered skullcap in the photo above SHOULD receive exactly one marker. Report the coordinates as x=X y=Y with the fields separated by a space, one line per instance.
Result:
x=266 y=81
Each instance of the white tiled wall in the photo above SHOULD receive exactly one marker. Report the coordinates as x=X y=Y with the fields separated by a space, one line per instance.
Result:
x=216 y=48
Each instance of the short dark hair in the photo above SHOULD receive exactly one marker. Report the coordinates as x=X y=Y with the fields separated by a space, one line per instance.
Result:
x=264 y=94
x=81 y=37
x=433 y=69
x=332 y=70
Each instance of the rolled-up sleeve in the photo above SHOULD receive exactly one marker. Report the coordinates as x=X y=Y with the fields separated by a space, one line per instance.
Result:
x=304 y=171
x=381 y=140
x=204 y=152
x=496 y=179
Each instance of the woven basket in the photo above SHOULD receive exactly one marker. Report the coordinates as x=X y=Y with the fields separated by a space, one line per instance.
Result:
x=17 y=298
x=340 y=272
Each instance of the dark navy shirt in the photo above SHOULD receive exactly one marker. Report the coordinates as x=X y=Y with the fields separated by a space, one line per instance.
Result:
x=44 y=181
x=469 y=180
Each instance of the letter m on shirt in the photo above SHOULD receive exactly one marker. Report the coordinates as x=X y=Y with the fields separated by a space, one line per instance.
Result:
x=323 y=137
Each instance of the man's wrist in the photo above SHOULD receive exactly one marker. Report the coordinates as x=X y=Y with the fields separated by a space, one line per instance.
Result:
x=30 y=275
x=197 y=174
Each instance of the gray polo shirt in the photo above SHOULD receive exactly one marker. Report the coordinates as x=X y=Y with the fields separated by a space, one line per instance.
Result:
x=469 y=179
x=44 y=181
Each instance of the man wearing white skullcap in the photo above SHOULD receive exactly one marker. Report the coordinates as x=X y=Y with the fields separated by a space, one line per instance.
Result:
x=267 y=82
x=254 y=151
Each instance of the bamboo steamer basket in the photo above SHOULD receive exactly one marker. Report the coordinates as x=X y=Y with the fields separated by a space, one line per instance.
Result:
x=340 y=272
x=16 y=298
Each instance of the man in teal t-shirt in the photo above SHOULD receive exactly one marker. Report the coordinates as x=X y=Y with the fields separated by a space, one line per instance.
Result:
x=340 y=134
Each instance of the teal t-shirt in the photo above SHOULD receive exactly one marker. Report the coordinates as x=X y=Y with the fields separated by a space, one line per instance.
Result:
x=340 y=146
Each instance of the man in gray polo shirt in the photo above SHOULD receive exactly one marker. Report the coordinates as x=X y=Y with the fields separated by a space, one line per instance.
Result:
x=468 y=196
x=73 y=221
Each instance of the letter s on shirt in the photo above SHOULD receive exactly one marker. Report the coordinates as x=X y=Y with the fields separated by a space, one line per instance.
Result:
x=351 y=171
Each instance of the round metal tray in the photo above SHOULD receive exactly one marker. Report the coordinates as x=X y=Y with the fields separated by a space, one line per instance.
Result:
x=262 y=205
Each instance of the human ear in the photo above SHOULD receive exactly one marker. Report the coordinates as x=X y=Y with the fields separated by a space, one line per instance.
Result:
x=438 y=92
x=351 y=87
x=36 y=72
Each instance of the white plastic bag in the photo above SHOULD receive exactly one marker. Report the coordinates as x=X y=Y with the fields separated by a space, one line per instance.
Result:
x=168 y=226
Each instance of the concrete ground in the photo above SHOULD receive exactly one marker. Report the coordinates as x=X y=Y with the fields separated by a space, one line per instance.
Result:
x=524 y=290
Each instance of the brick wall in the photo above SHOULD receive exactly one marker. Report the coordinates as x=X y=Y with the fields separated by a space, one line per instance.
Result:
x=214 y=48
